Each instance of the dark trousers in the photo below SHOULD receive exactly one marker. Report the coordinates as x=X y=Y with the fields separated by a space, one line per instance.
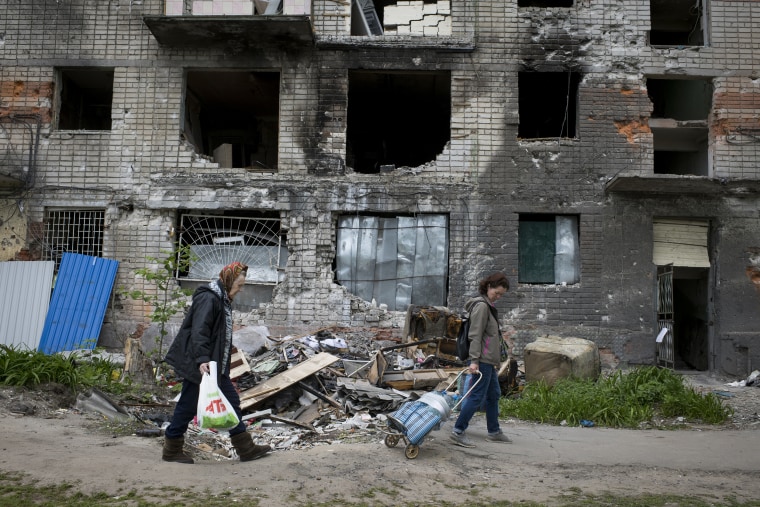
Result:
x=187 y=407
x=487 y=392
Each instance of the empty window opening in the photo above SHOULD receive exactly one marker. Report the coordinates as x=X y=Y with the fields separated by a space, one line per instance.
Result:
x=680 y=99
x=217 y=240
x=73 y=231
x=545 y=3
x=548 y=249
x=394 y=260
x=678 y=22
x=233 y=116
x=548 y=104
x=680 y=110
x=85 y=99
x=396 y=119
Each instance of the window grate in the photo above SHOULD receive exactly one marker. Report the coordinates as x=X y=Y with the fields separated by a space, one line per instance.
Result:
x=73 y=231
x=216 y=241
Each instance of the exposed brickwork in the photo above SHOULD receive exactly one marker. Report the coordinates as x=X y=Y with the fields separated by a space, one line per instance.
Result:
x=144 y=173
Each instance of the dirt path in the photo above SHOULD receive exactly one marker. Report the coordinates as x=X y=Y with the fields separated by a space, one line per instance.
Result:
x=542 y=463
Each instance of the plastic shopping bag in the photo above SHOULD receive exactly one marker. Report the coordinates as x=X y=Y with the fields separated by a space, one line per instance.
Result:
x=214 y=411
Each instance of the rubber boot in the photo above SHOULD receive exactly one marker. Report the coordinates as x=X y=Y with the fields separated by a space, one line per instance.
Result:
x=246 y=449
x=173 y=451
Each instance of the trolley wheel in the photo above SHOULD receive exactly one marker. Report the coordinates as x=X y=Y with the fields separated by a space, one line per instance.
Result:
x=391 y=440
x=412 y=451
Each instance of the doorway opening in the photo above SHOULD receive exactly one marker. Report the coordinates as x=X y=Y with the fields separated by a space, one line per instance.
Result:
x=690 y=318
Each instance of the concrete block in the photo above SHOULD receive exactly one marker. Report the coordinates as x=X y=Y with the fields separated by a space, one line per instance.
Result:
x=551 y=358
x=397 y=15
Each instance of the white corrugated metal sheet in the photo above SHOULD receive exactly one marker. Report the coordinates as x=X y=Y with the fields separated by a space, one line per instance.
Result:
x=681 y=242
x=24 y=301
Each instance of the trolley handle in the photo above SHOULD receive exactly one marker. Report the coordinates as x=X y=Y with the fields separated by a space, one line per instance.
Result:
x=461 y=399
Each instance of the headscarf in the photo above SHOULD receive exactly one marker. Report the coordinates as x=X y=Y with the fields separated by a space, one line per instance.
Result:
x=230 y=272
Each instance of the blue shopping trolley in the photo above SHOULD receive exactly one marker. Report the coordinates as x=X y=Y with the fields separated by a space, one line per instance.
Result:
x=414 y=420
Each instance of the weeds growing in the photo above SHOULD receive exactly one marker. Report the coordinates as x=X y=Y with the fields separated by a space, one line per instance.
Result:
x=621 y=400
x=22 y=367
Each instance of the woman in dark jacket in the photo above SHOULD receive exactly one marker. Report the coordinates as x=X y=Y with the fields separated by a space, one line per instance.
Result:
x=485 y=357
x=206 y=335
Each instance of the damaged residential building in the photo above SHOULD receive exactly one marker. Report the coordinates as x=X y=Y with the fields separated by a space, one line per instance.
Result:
x=362 y=156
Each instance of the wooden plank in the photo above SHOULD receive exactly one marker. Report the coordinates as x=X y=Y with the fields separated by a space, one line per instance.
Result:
x=272 y=386
x=238 y=364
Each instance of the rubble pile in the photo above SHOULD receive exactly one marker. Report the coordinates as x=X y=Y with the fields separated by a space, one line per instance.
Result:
x=324 y=388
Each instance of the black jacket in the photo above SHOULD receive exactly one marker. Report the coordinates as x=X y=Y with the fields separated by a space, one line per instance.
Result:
x=201 y=337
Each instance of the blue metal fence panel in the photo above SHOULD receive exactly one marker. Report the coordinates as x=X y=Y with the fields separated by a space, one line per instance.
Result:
x=79 y=302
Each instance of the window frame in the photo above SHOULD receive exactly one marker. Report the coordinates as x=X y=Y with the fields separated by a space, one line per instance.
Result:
x=565 y=257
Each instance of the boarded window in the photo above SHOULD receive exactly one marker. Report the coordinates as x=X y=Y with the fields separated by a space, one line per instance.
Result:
x=680 y=242
x=548 y=249
x=396 y=261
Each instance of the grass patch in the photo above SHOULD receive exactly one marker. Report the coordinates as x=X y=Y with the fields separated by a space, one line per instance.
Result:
x=28 y=368
x=16 y=490
x=621 y=400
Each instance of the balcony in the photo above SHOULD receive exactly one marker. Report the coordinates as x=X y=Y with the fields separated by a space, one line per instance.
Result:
x=239 y=24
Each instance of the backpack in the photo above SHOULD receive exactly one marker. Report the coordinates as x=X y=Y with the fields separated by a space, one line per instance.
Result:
x=463 y=340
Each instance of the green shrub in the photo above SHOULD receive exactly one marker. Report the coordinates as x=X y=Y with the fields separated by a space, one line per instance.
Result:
x=621 y=400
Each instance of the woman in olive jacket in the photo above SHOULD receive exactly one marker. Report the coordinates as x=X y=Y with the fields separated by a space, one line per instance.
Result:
x=206 y=335
x=485 y=357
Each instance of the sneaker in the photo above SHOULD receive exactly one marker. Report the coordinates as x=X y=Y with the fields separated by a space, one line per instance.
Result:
x=498 y=437
x=461 y=439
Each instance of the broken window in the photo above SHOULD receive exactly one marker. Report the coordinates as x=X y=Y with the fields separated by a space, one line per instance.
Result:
x=680 y=110
x=73 y=231
x=85 y=98
x=544 y=3
x=548 y=104
x=549 y=249
x=217 y=240
x=394 y=260
x=233 y=116
x=388 y=17
x=678 y=22
x=396 y=119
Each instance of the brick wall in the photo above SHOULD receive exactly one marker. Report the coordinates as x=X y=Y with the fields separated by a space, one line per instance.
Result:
x=144 y=173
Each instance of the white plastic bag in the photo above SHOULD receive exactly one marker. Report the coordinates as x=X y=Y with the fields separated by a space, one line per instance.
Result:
x=214 y=411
